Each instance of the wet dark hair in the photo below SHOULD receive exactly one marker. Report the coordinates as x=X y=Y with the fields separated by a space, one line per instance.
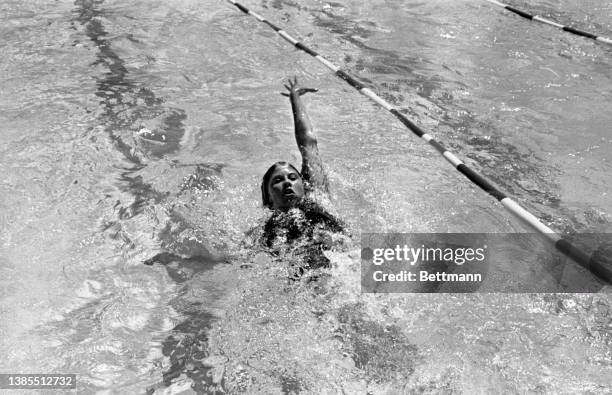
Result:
x=265 y=196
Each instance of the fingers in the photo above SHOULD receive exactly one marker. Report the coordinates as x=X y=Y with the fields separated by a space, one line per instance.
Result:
x=303 y=91
x=292 y=86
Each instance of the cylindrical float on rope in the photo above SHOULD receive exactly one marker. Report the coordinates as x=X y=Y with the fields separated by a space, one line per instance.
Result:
x=538 y=18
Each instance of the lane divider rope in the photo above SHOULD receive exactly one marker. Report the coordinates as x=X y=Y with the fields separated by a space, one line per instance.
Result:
x=538 y=18
x=560 y=243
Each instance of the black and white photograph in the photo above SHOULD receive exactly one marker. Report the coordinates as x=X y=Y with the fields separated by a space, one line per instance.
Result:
x=369 y=197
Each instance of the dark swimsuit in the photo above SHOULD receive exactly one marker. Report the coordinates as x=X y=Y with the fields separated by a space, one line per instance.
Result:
x=297 y=229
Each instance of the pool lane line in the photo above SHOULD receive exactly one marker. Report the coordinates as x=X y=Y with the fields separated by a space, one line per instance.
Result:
x=538 y=18
x=513 y=207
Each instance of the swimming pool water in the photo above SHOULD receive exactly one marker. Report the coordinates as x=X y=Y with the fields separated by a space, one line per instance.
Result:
x=133 y=128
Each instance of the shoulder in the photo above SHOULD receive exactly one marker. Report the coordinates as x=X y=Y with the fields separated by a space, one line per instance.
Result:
x=316 y=212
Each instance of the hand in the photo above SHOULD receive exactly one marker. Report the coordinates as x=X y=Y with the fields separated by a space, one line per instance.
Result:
x=294 y=89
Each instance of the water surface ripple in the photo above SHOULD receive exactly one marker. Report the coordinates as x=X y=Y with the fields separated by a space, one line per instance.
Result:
x=134 y=138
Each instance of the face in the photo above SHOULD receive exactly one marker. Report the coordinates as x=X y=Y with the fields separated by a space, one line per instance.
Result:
x=285 y=187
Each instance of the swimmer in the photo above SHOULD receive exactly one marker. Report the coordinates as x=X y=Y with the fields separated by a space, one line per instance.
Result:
x=296 y=198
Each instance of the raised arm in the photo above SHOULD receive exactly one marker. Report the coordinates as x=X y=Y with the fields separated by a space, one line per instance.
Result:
x=312 y=165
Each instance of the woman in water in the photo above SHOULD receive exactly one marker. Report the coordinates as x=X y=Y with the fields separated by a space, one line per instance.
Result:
x=299 y=221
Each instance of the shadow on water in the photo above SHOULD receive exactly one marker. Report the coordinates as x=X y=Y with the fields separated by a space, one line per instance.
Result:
x=121 y=96
x=126 y=104
x=187 y=346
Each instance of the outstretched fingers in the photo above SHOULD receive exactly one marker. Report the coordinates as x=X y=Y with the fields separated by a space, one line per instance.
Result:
x=302 y=91
x=293 y=83
x=293 y=87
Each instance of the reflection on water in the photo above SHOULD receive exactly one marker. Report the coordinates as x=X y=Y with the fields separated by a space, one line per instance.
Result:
x=143 y=128
x=187 y=349
x=127 y=105
x=137 y=133
x=186 y=346
x=110 y=340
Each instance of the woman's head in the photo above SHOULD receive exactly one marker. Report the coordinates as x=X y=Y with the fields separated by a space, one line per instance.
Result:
x=282 y=186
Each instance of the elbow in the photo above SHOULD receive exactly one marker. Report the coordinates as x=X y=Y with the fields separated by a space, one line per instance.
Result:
x=310 y=138
x=304 y=135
